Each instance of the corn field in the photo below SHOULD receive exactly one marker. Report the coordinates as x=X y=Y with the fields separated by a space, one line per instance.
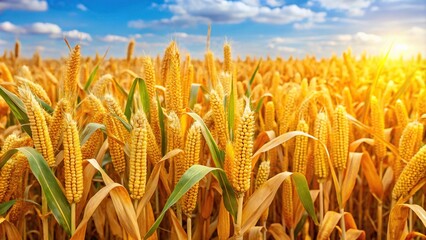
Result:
x=171 y=147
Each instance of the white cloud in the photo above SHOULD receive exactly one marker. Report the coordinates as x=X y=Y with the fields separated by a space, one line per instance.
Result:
x=44 y=28
x=344 y=37
x=77 y=35
x=11 y=28
x=27 y=5
x=114 y=38
x=274 y=3
x=374 y=8
x=189 y=37
x=82 y=7
x=352 y=7
x=2 y=42
x=417 y=30
x=366 y=37
x=53 y=30
x=288 y=14
x=193 y=12
x=287 y=49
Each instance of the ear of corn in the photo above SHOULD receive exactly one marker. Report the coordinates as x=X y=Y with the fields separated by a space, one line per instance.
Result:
x=39 y=128
x=130 y=49
x=100 y=87
x=115 y=141
x=14 y=141
x=227 y=60
x=73 y=71
x=300 y=157
x=378 y=124
x=241 y=169
x=262 y=173
x=35 y=88
x=175 y=140
x=73 y=161
x=174 y=97
x=340 y=139
x=6 y=173
x=138 y=157
x=401 y=114
x=192 y=156
x=408 y=145
x=411 y=175
x=321 y=133
x=17 y=49
x=219 y=117
x=57 y=123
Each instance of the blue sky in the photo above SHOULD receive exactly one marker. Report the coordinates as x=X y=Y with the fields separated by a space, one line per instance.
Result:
x=254 y=27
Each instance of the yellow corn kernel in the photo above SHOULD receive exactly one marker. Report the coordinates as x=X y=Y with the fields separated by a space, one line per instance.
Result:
x=411 y=175
x=401 y=114
x=90 y=147
x=115 y=109
x=153 y=151
x=219 y=117
x=5 y=177
x=130 y=49
x=301 y=149
x=165 y=65
x=378 y=124
x=321 y=133
x=73 y=161
x=150 y=85
x=289 y=109
x=174 y=97
x=211 y=67
x=115 y=141
x=100 y=87
x=73 y=70
x=175 y=140
x=5 y=73
x=14 y=141
x=24 y=72
x=18 y=211
x=229 y=160
x=227 y=60
x=38 y=125
x=408 y=145
x=192 y=156
x=270 y=123
x=138 y=157
x=243 y=145
x=56 y=125
x=287 y=202
x=340 y=139
x=17 y=185
x=225 y=80
x=35 y=88
x=262 y=173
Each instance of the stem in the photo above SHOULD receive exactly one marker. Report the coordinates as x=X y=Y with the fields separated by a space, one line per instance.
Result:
x=189 y=228
x=72 y=218
x=292 y=233
x=44 y=220
x=342 y=223
x=238 y=234
x=410 y=217
x=342 y=209
x=321 y=216
x=379 y=220
x=380 y=205
x=179 y=212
